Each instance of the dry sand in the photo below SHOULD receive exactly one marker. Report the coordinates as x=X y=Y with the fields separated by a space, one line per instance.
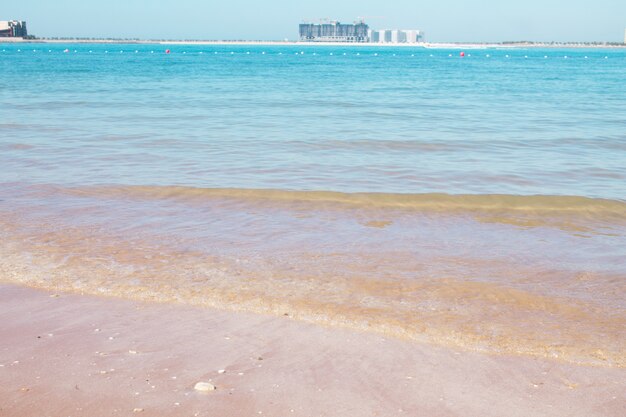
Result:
x=72 y=355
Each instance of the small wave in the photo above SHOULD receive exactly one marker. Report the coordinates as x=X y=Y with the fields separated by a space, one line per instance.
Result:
x=479 y=316
x=571 y=214
x=437 y=202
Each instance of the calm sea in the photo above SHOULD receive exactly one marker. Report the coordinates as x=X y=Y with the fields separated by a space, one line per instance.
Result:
x=477 y=202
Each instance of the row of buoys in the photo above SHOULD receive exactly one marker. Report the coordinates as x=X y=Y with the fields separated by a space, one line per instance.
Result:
x=462 y=54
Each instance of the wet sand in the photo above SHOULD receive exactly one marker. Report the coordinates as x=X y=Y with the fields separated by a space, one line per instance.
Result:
x=74 y=355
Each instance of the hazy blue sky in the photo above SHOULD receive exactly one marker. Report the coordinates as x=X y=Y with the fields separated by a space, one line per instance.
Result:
x=442 y=20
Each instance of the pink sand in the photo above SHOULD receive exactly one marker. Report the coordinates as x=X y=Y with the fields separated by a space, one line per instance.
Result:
x=77 y=355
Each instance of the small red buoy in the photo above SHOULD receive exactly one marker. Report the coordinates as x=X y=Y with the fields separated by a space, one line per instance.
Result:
x=167 y=51
x=462 y=54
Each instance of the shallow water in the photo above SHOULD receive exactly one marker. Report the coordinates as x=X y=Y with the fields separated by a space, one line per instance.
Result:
x=475 y=202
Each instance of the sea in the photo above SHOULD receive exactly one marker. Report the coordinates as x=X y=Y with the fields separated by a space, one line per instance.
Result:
x=474 y=202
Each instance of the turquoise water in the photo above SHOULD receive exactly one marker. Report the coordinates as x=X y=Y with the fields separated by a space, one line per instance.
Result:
x=475 y=202
x=404 y=120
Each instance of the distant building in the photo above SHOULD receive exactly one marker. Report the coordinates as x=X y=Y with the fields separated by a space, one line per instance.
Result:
x=334 y=31
x=396 y=36
x=413 y=35
x=382 y=36
x=13 y=29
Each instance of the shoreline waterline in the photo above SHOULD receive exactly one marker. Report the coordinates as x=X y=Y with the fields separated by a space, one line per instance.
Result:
x=419 y=45
x=457 y=271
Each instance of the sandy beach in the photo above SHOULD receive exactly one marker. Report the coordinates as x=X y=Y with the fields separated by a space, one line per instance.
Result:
x=76 y=355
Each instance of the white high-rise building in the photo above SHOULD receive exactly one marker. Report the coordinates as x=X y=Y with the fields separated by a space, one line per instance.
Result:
x=396 y=36
x=413 y=35
x=384 y=36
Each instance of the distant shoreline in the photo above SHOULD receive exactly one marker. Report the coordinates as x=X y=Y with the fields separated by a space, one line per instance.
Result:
x=427 y=45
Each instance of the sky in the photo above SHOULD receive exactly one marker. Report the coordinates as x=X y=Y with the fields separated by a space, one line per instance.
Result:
x=441 y=20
